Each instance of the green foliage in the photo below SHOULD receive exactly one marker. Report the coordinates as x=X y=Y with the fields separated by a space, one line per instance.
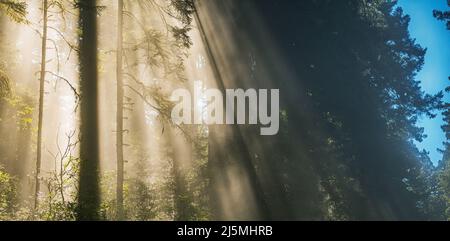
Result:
x=8 y=196
x=5 y=88
x=183 y=10
x=444 y=182
x=139 y=202
x=444 y=177
x=60 y=200
x=108 y=204
x=15 y=9
x=18 y=108
x=443 y=16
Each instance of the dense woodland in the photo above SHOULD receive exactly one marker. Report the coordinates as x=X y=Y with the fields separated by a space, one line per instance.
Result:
x=85 y=112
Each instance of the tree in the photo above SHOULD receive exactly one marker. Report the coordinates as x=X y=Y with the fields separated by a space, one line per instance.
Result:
x=119 y=119
x=351 y=100
x=445 y=162
x=164 y=55
x=443 y=15
x=41 y=101
x=88 y=196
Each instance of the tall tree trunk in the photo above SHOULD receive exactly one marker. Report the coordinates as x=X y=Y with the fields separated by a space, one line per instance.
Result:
x=88 y=194
x=41 y=103
x=119 y=116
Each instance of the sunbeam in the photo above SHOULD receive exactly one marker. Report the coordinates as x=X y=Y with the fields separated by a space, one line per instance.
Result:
x=219 y=110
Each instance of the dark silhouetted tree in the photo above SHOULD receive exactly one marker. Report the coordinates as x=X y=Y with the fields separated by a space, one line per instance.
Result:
x=88 y=196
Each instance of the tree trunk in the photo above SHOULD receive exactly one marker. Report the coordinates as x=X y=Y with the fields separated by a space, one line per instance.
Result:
x=88 y=194
x=41 y=103
x=119 y=116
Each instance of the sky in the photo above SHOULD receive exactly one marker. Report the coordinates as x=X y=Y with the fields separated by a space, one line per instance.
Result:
x=433 y=35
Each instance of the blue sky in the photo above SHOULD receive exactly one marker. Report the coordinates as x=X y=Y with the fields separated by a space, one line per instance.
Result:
x=432 y=35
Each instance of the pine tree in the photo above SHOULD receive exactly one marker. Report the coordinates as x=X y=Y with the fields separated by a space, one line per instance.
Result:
x=445 y=162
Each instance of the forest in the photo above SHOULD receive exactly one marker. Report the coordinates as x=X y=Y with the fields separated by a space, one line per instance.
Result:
x=86 y=131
